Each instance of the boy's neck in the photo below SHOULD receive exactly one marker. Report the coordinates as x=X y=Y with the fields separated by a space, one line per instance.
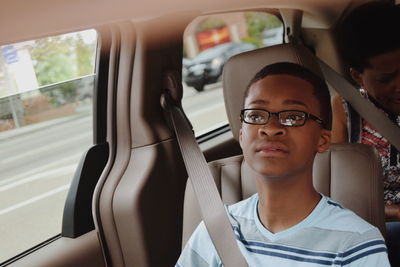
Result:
x=284 y=202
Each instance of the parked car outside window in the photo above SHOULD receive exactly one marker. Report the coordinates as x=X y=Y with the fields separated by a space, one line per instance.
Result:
x=272 y=36
x=206 y=67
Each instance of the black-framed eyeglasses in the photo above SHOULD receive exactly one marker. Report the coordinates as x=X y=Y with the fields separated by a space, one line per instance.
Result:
x=288 y=118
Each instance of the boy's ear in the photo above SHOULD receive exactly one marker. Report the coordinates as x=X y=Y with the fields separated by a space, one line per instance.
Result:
x=324 y=141
x=240 y=137
x=357 y=77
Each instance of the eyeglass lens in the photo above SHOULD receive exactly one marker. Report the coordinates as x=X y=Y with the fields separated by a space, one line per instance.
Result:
x=285 y=118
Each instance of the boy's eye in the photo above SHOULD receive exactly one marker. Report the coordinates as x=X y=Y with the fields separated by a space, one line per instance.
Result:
x=292 y=118
x=255 y=116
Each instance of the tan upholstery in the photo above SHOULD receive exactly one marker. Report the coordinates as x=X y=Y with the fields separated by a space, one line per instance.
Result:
x=349 y=173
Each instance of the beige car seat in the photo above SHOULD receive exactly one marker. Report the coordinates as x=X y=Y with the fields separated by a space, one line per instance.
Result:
x=349 y=173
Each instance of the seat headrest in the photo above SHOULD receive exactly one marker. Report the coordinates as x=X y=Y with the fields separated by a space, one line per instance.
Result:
x=240 y=69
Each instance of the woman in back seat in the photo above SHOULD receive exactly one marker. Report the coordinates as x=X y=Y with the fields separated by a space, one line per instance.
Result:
x=369 y=42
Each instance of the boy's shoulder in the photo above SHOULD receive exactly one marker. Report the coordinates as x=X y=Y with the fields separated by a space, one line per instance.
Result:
x=328 y=215
x=244 y=206
x=244 y=210
x=337 y=217
x=345 y=228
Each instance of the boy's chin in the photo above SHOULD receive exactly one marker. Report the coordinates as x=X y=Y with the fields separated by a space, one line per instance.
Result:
x=270 y=173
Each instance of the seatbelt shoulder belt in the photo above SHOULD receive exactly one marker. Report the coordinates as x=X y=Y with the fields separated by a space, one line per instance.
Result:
x=211 y=206
x=363 y=107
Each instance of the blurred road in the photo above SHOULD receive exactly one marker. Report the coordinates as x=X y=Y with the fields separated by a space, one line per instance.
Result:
x=37 y=164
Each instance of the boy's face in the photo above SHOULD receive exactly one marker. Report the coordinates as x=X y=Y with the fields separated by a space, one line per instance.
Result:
x=382 y=80
x=273 y=150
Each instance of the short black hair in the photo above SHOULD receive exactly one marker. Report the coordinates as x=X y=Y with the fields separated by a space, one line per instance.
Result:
x=367 y=31
x=320 y=91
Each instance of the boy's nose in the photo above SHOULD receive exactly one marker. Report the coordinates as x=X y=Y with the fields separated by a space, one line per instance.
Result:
x=272 y=127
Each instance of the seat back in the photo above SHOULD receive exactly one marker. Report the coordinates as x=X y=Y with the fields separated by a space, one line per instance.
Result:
x=348 y=173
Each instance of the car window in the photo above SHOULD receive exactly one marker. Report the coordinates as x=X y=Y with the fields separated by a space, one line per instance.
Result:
x=213 y=52
x=209 y=41
x=46 y=91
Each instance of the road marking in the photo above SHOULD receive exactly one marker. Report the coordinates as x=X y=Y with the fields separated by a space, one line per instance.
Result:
x=205 y=110
x=215 y=126
x=74 y=158
x=59 y=171
x=23 y=134
x=51 y=147
x=34 y=199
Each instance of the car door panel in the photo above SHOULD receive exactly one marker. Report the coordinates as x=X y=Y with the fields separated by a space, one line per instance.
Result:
x=83 y=251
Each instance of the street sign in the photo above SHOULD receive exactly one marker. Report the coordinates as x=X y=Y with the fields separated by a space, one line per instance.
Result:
x=9 y=54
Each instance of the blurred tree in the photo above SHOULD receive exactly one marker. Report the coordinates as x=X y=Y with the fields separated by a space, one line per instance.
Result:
x=53 y=59
x=257 y=22
x=84 y=56
x=61 y=58
x=210 y=23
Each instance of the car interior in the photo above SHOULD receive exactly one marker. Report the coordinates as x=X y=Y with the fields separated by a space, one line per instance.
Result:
x=130 y=202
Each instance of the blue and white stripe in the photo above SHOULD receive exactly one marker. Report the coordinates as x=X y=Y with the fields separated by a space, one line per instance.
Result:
x=303 y=255
x=329 y=236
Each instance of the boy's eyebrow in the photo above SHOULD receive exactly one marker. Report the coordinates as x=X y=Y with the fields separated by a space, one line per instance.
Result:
x=259 y=101
x=294 y=102
x=286 y=102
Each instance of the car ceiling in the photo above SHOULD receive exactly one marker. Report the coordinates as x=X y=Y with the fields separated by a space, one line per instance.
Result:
x=26 y=20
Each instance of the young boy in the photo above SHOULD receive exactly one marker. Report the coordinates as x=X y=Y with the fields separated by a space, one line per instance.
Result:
x=286 y=120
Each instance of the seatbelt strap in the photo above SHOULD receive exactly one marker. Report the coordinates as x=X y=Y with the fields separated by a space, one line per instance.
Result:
x=369 y=112
x=213 y=212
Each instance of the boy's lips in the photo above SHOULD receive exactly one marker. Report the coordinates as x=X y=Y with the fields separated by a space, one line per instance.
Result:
x=272 y=149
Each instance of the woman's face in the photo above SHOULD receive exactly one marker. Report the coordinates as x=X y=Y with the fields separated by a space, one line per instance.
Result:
x=382 y=80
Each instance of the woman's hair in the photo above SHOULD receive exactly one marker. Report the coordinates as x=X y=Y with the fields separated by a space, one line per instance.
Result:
x=367 y=31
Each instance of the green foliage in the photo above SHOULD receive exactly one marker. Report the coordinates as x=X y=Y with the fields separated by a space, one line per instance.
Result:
x=251 y=40
x=84 y=57
x=257 y=22
x=53 y=60
x=61 y=58
x=62 y=93
x=210 y=23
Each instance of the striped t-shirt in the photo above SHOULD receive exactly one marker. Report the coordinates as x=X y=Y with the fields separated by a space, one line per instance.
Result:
x=329 y=236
